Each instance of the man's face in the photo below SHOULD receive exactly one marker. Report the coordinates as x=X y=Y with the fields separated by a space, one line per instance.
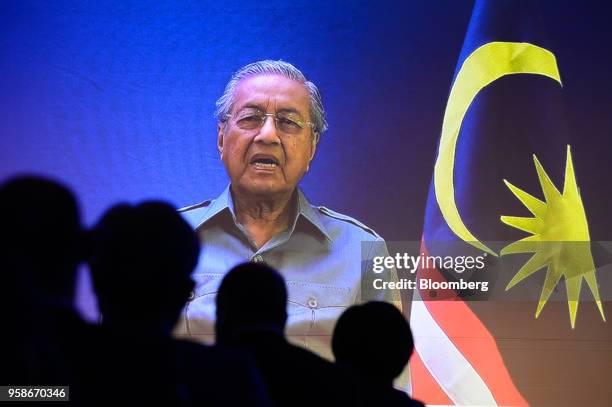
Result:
x=266 y=161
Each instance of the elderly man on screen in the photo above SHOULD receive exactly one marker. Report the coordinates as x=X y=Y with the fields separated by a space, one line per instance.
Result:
x=270 y=119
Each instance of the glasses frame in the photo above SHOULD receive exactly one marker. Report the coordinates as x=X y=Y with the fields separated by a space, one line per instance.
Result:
x=264 y=116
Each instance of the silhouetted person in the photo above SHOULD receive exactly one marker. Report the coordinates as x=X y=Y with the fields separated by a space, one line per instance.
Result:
x=45 y=340
x=141 y=265
x=374 y=340
x=251 y=315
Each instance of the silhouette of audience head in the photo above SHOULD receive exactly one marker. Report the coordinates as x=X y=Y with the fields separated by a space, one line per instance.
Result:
x=373 y=339
x=141 y=266
x=251 y=297
x=41 y=237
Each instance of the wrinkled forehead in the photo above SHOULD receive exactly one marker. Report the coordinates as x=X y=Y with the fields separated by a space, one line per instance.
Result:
x=271 y=93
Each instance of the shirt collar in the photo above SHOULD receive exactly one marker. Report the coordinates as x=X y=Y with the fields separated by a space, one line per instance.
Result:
x=304 y=209
x=223 y=201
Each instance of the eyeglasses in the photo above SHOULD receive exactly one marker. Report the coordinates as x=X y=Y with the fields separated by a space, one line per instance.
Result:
x=286 y=122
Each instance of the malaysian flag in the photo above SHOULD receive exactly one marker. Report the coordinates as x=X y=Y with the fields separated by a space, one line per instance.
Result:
x=502 y=135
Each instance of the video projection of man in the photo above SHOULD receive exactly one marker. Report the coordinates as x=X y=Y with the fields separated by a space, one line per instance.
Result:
x=117 y=101
x=270 y=119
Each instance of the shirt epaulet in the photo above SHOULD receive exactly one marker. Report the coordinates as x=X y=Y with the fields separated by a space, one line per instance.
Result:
x=336 y=215
x=196 y=206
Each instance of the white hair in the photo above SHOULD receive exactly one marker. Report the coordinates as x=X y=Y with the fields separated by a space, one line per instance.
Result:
x=269 y=67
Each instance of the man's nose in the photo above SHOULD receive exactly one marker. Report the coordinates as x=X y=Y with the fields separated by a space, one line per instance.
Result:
x=268 y=132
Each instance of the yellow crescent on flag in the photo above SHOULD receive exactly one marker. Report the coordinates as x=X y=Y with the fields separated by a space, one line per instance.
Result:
x=486 y=64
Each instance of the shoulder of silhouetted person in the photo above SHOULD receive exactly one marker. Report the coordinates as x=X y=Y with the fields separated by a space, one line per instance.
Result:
x=375 y=395
x=297 y=377
x=221 y=376
x=157 y=369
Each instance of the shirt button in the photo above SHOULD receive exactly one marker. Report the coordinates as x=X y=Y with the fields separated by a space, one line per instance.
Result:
x=257 y=259
x=191 y=296
x=312 y=303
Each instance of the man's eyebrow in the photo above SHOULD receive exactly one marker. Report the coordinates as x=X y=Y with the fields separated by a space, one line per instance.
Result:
x=290 y=110
x=251 y=106
x=262 y=109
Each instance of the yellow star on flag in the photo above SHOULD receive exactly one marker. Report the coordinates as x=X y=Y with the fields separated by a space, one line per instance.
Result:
x=559 y=239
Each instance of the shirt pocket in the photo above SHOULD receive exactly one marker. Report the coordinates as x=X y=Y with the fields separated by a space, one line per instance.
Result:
x=200 y=309
x=313 y=310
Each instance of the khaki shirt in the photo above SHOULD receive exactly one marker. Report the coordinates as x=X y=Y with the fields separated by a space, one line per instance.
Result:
x=322 y=257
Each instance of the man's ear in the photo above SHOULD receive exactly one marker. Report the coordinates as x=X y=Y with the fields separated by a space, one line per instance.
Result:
x=220 y=132
x=315 y=142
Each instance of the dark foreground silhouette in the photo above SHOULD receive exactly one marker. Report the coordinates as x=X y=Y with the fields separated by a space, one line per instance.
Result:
x=141 y=258
x=44 y=340
x=251 y=315
x=141 y=265
x=374 y=340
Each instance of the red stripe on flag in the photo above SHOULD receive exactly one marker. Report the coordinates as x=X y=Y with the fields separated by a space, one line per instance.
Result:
x=471 y=338
x=424 y=387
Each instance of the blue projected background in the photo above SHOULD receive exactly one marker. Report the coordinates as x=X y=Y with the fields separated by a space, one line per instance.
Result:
x=116 y=99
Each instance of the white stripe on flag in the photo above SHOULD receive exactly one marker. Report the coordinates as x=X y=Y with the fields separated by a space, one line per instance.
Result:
x=453 y=372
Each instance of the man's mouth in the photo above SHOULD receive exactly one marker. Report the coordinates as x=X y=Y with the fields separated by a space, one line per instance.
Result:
x=264 y=162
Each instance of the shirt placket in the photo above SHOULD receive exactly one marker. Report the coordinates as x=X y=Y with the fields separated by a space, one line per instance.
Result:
x=258 y=256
